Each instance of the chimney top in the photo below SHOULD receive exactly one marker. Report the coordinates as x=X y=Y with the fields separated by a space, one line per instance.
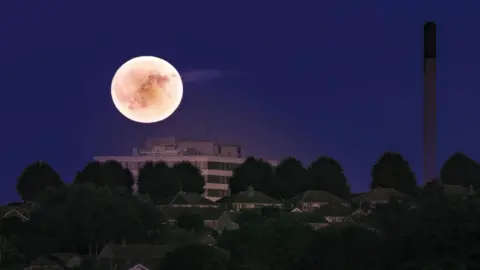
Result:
x=430 y=40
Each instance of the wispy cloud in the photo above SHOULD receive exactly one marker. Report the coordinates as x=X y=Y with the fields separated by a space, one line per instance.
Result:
x=203 y=75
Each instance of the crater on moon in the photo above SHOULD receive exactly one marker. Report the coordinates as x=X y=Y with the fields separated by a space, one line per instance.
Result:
x=147 y=89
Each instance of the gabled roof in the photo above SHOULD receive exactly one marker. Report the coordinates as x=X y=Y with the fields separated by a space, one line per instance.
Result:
x=147 y=255
x=208 y=213
x=316 y=196
x=250 y=196
x=44 y=260
x=306 y=217
x=334 y=210
x=355 y=215
x=135 y=251
x=381 y=194
x=65 y=257
x=455 y=190
x=184 y=198
x=8 y=211
x=138 y=267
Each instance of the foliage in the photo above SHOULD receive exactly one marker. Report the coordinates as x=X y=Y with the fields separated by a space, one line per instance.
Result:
x=271 y=244
x=195 y=257
x=437 y=231
x=158 y=181
x=460 y=169
x=190 y=177
x=290 y=178
x=107 y=174
x=35 y=179
x=348 y=247
x=190 y=221
x=253 y=172
x=393 y=171
x=79 y=217
x=327 y=174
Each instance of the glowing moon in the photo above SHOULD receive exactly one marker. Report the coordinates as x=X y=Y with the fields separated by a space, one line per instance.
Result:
x=147 y=89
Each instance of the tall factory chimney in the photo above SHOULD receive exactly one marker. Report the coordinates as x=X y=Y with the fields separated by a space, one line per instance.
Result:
x=429 y=95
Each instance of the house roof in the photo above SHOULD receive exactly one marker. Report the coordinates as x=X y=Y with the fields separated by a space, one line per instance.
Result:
x=147 y=255
x=314 y=196
x=250 y=196
x=184 y=198
x=8 y=210
x=64 y=257
x=455 y=190
x=208 y=213
x=306 y=217
x=381 y=194
x=43 y=260
x=334 y=210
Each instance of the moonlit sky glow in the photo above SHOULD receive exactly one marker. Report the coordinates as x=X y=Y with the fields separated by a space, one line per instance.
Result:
x=341 y=78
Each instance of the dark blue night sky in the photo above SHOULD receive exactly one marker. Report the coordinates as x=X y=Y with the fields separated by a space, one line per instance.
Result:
x=343 y=78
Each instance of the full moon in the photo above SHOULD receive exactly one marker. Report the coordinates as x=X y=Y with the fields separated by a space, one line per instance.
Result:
x=147 y=89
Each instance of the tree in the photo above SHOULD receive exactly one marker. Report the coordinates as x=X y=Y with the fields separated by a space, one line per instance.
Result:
x=107 y=174
x=327 y=174
x=393 y=171
x=460 y=169
x=268 y=244
x=158 y=181
x=35 y=179
x=290 y=178
x=190 y=221
x=195 y=257
x=442 y=234
x=83 y=218
x=343 y=248
x=191 y=177
x=253 y=172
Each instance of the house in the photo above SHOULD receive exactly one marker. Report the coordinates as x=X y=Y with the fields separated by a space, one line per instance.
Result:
x=69 y=260
x=356 y=215
x=309 y=200
x=135 y=257
x=57 y=261
x=334 y=212
x=249 y=199
x=138 y=267
x=314 y=220
x=184 y=199
x=12 y=217
x=14 y=211
x=380 y=195
x=44 y=262
x=215 y=218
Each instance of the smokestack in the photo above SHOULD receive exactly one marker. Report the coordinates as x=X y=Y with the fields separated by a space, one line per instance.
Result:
x=429 y=95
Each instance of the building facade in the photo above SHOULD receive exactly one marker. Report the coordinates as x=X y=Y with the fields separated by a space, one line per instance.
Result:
x=215 y=160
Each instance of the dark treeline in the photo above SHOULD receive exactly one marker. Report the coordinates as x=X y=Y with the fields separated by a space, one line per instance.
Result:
x=438 y=232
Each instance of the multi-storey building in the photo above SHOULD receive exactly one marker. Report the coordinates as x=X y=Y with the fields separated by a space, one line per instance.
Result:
x=215 y=160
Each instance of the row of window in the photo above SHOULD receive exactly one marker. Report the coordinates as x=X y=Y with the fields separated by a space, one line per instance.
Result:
x=216 y=179
x=217 y=193
x=211 y=165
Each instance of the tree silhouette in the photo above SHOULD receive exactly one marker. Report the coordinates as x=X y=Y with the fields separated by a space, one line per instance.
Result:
x=35 y=179
x=158 y=181
x=393 y=171
x=190 y=177
x=82 y=217
x=195 y=257
x=460 y=169
x=190 y=221
x=290 y=178
x=107 y=174
x=327 y=174
x=253 y=172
